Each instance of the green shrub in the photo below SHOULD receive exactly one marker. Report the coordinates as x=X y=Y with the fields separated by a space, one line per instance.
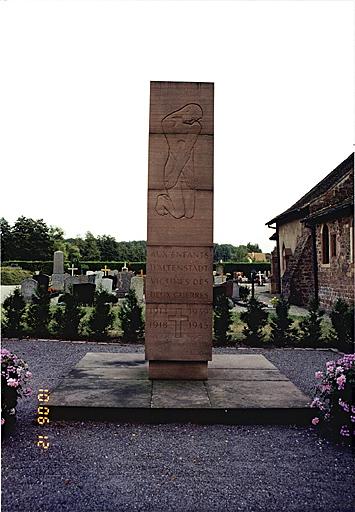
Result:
x=67 y=317
x=222 y=318
x=255 y=318
x=131 y=317
x=38 y=315
x=311 y=327
x=342 y=317
x=12 y=275
x=244 y=292
x=14 y=307
x=101 y=318
x=281 y=331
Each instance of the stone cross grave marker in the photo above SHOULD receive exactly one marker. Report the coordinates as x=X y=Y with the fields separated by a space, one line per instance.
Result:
x=72 y=269
x=180 y=223
x=105 y=270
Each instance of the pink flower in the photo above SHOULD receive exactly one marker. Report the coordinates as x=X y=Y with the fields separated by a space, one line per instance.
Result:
x=28 y=375
x=326 y=387
x=344 y=405
x=341 y=381
x=315 y=421
x=318 y=375
x=2 y=421
x=344 y=431
x=13 y=383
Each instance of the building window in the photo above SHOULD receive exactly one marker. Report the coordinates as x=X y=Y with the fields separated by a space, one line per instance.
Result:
x=325 y=244
x=333 y=245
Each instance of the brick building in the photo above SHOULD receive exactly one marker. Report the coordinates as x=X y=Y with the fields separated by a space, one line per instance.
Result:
x=314 y=253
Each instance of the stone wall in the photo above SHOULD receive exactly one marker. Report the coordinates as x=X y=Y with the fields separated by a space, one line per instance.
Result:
x=297 y=283
x=336 y=279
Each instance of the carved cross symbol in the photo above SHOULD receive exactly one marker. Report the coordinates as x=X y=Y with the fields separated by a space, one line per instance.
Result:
x=72 y=268
x=105 y=270
x=178 y=319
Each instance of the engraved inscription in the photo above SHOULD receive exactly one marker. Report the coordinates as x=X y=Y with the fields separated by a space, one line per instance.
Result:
x=179 y=275
x=179 y=197
x=178 y=332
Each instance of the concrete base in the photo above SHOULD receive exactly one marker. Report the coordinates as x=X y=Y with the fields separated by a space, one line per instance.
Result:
x=241 y=389
x=178 y=370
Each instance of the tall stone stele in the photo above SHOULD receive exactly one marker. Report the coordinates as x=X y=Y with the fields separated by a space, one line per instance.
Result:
x=57 y=282
x=180 y=230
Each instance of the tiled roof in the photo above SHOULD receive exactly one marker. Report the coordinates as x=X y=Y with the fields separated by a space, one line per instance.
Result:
x=299 y=209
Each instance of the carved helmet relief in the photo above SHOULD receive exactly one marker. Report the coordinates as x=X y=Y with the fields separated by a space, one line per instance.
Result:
x=181 y=129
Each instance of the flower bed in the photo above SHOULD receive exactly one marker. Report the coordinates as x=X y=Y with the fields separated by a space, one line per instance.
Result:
x=334 y=397
x=14 y=379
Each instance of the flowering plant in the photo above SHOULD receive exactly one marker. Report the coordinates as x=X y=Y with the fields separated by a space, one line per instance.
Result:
x=14 y=379
x=334 y=396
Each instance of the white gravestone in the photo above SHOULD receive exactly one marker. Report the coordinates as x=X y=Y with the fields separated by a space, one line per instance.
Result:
x=106 y=284
x=28 y=288
x=235 y=292
x=137 y=284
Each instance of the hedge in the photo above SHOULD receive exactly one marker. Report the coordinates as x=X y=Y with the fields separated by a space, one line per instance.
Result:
x=47 y=266
x=246 y=268
x=13 y=276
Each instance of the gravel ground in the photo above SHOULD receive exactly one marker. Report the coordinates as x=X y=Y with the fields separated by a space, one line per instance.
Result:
x=103 y=467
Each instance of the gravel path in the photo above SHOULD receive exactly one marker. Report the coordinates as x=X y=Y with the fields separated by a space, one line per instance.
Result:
x=106 y=467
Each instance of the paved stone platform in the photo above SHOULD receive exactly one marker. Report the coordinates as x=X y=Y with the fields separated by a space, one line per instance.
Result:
x=241 y=389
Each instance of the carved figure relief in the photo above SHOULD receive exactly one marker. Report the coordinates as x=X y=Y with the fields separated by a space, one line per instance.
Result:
x=179 y=197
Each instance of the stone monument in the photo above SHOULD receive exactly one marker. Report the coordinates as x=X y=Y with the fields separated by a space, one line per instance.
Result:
x=58 y=275
x=179 y=283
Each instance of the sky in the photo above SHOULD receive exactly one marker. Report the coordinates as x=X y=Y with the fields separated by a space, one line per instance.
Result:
x=74 y=95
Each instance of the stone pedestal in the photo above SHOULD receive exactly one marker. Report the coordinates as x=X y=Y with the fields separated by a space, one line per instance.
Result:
x=180 y=231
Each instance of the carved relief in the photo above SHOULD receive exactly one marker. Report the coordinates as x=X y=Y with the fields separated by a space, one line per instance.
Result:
x=179 y=197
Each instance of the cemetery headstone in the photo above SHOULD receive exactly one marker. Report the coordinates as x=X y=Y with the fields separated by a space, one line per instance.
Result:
x=69 y=281
x=123 y=283
x=28 y=288
x=84 y=292
x=137 y=284
x=42 y=280
x=58 y=276
x=179 y=287
x=58 y=262
x=106 y=284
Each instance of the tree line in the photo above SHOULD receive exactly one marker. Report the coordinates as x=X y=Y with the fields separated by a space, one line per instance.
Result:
x=33 y=240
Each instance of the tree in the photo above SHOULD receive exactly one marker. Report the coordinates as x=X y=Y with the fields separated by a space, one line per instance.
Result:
x=6 y=242
x=101 y=318
x=222 y=318
x=72 y=252
x=281 y=331
x=38 y=316
x=31 y=240
x=89 y=248
x=14 y=307
x=56 y=236
x=131 y=317
x=253 y=247
x=67 y=317
x=311 y=325
x=342 y=317
x=108 y=248
x=240 y=253
x=255 y=318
